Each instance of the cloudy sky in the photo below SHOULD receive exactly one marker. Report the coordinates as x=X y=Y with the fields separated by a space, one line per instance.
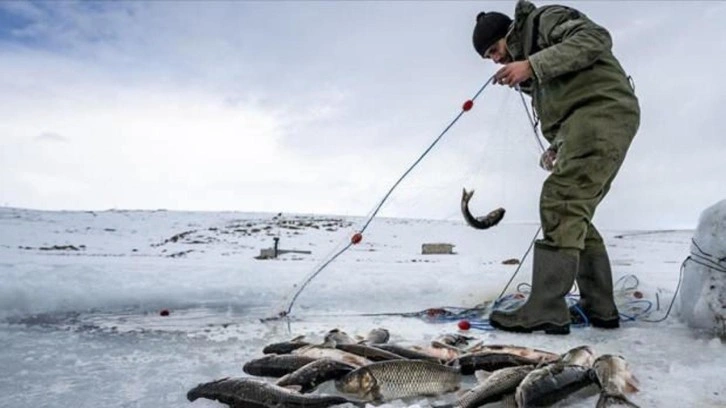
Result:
x=319 y=107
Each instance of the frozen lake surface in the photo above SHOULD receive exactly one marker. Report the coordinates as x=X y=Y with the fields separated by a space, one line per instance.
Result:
x=81 y=295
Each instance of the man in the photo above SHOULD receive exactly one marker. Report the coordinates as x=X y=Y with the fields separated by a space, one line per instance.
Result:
x=589 y=113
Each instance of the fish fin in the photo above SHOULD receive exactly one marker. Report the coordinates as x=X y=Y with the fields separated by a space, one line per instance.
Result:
x=442 y=345
x=452 y=362
x=482 y=375
x=631 y=385
x=466 y=195
x=542 y=362
x=509 y=401
x=282 y=379
x=607 y=400
x=474 y=346
x=293 y=387
x=297 y=338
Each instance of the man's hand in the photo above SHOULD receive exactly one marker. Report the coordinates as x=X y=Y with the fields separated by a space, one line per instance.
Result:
x=514 y=73
x=548 y=159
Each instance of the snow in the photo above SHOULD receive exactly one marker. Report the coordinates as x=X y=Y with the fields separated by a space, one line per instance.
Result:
x=81 y=294
x=703 y=296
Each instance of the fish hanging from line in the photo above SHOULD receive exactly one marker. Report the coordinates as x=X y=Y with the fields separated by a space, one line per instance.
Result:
x=484 y=222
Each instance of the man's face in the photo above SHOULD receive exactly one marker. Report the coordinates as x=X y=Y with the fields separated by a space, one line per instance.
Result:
x=498 y=52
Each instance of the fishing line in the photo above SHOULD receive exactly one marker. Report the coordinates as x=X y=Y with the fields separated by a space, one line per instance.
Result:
x=531 y=244
x=358 y=236
x=702 y=258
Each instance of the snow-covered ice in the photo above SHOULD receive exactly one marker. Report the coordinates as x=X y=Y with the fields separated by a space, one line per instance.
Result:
x=81 y=292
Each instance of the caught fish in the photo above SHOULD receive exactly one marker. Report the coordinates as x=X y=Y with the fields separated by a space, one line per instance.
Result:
x=371 y=353
x=491 y=361
x=254 y=393
x=309 y=376
x=273 y=365
x=285 y=347
x=485 y=222
x=548 y=385
x=526 y=352
x=339 y=337
x=406 y=352
x=500 y=384
x=390 y=380
x=615 y=380
x=377 y=336
x=329 y=350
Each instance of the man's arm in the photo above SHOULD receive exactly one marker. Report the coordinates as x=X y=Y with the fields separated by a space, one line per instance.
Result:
x=573 y=42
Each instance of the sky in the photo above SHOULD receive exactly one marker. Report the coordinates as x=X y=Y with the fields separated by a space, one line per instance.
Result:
x=319 y=107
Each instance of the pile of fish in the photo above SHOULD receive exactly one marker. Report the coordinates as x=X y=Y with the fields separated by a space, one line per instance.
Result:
x=371 y=370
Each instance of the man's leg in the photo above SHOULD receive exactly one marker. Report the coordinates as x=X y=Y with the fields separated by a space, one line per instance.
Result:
x=594 y=278
x=587 y=161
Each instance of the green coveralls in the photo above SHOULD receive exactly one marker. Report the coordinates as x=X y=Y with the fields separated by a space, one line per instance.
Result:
x=587 y=111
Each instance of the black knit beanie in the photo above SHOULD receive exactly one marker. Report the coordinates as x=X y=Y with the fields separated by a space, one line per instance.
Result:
x=490 y=28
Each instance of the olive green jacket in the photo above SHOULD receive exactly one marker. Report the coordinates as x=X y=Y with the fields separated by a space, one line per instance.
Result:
x=572 y=62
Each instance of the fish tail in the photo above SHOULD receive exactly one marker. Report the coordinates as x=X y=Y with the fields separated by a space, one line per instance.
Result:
x=608 y=400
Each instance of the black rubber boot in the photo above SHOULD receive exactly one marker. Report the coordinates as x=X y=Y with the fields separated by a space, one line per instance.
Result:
x=595 y=281
x=553 y=274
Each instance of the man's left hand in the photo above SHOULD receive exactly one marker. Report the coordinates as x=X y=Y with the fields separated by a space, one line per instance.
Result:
x=514 y=73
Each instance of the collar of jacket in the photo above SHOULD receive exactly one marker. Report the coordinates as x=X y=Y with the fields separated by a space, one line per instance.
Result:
x=516 y=37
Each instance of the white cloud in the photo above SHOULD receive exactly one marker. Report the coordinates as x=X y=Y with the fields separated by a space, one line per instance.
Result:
x=320 y=107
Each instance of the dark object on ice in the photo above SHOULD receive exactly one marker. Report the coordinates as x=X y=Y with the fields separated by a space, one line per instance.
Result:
x=485 y=222
x=63 y=248
x=275 y=365
x=313 y=374
x=250 y=392
x=512 y=261
x=164 y=312
x=437 y=248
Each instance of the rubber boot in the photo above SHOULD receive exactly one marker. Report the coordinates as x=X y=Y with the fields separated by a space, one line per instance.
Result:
x=595 y=281
x=553 y=274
